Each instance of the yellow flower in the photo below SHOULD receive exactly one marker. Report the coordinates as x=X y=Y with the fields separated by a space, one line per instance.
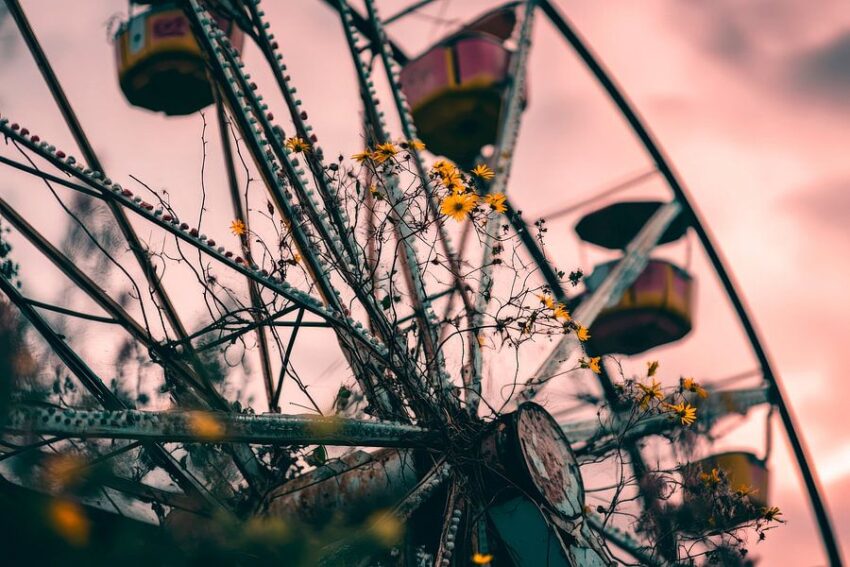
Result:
x=745 y=490
x=651 y=368
x=690 y=385
x=384 y=152
x=69 y=520
x=458 y=205
x=710 y=479
x=582 y=333
x=416 y=145
x=444 y=168
x=482 y=558
x=771 y=514
x=496 y=202
x=648 y=393
x=483 y=171
x=684 y=411
x=547 y=301
x=454 y=184
x=297 y=145
x=360 y=157
x=562 y=313
x=205 y=426
x=386 y=528
x=592 y=363
x=237 y=227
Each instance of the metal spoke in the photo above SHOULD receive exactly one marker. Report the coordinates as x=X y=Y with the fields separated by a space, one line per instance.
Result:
x=406 y=11
x=170 y=223
x=430 y=483
x=224 y=64
x=611 y=289
x=217 y=427
x=258 y=309
x=286 y=357
x=720 y=404
x=365 y=27
x=51 y=178
x=71 y=312
x=597 y=195
x=502 y=161
x=91 y=158
x=455 y=505
x=31 y=447
x=625 y=542
x=130 y=488
x=93 y=383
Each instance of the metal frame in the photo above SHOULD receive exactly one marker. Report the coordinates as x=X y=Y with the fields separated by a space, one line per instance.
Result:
x=368 y=355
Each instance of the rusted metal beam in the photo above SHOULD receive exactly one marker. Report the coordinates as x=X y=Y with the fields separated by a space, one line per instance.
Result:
x=217 y=427
x=352 y=487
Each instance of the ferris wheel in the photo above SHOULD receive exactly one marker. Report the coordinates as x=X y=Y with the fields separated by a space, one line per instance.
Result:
x=412 y=261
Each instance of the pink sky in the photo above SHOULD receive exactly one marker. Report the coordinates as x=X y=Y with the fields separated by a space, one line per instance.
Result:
x=750 y=99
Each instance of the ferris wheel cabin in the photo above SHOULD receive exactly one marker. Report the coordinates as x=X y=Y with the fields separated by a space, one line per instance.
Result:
x=657 y=308
x=456 y=88
x=160 y=65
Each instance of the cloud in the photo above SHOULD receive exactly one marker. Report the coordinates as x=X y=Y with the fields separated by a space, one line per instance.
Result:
x=824 y=70
x=824 y=206
x=782 y=46
x=7 y=32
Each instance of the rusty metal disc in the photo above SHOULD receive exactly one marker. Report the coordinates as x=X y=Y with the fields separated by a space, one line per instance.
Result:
x=548 y=460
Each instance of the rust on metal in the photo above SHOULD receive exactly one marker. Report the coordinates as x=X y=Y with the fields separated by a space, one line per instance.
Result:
x=549 y=461
x=349 y=488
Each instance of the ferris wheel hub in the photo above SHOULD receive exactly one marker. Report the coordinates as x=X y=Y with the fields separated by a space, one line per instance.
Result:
x=528 y=452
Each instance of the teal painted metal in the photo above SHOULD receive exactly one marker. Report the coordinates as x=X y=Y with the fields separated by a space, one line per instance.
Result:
x=530 y=540
x=534 y=538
